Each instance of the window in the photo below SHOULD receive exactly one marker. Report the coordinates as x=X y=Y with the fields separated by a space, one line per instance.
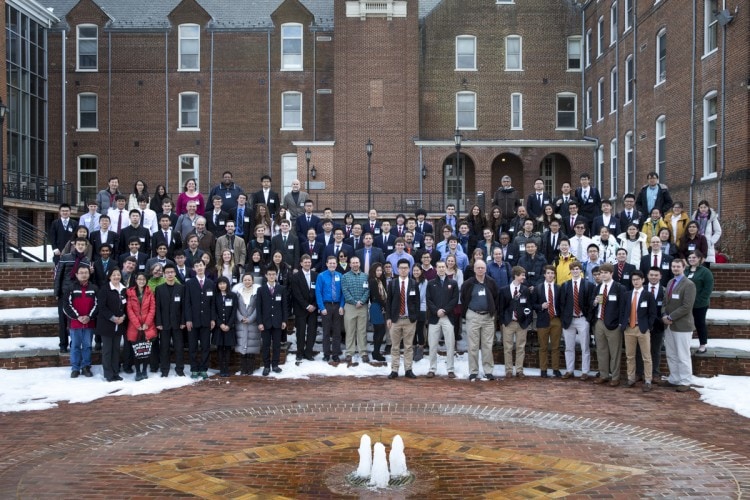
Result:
x=629 y=75
x=588 y=48
x=87 y=45
x=466 y=107
x=87 y=114
x=289 y=171
x=574 y=53
x=516 y=111
x=661 y=57
x=661 y=146
x=710 y=26
x=613 y=169
x=613 y=23
x=291 y=47
x=291 y=111
x=589 y=106
x=628 y=15
x=600 y=168
x=600 y=104
x=629 y=163
x=466 y=52
x=709 y=134
x=600 y=37
x=189 y=47
x=189 y=111
x=566 y=111
x=87 y=181
x=513 y=53
x=613 y=90
x=188 y=168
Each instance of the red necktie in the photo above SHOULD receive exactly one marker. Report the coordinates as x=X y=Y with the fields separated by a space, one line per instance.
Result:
x=604 y=303
x=119 y=223
x=550 y=301
x=653 y=291
x=656 y=264
x=402 y=307
x=576 y=306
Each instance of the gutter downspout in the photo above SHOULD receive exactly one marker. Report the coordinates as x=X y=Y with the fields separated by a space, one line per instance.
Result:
x=692 y=112
x=109 y=103
x=211 y=112
x=63 y=91
x=269 y=100
x=723 y=108
x=166 y=110
x=617 y=112
x=584 y=51
x=315 y=88
x=635 y=90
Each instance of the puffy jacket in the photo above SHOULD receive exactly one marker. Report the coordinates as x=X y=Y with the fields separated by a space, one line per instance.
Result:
x=141 y=313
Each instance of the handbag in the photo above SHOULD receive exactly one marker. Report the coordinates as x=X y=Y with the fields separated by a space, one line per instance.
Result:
x=142 y=348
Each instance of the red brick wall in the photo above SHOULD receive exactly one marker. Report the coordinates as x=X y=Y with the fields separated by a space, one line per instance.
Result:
x=20 y=276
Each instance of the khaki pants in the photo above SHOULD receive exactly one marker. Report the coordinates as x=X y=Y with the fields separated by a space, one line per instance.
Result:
x=403 y=329
x=608 y=351
x=514 y=329
x=443 y=327
x=550 y=336
x=355 y=324
x=633 y=339
x=481 y=332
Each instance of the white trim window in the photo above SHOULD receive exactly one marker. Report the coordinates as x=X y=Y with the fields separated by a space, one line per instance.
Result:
x=629 y=15
x=660 y=161
x=566 y=111
x=600 y=37
x=574 y=53
x=613 y=23
x=189 y=111
x=513 y=53
x=589 y=106
x=629 y=79
x=588 y=47
x=661 y=56
x=516 y=111
x=87 y=47
x=189 y=47
x=466 y=53
x=710 y=27
x=629 y=162
x=613 y=169
x=189 y=168
x=600 y=168
x=600 y=101
x=291 y=47
x=710 y=142
x=466 y=110
x=88 y=184
x=87 y=112
x=613 y=90
x=291 y=111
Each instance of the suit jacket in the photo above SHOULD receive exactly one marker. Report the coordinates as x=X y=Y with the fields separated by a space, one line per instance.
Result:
x=567 y=228
x=562 y=208
x=316 y=254
x=207 y=242
x=321 y=238
x=441 y=223
x=111 y=303
x=272 y=309
x=246 y=223
x=659 y=298
x=226 y=311
x=58 y=235
x=645 y=309
x=290 y=251
x=172 y=218
x=387 y=245
x=434 y=255
x=426 y=228
x=141 y=257
x=508 y=305
x=331 y=250
x=637 y=218
x=367 y=229
x=624 y=277
x=301 y=226
x=140 y=232
x=100 y=275
x=533 y=207
x=614 y=225
x=302 y=295
x=219 y=228
x=590 y=207
x=617 y=307
x=441 y=295
x=376 y=255
x=295 y=209
x=175 y=242
x=95 y=239
x=199 y=306
x=272 y=203
x=239 y=249
x=549 y=251
x=393 y=302
x=539 y=298
x=586 y=294
x=666 y=266
x=678 y=304
x=355 y=245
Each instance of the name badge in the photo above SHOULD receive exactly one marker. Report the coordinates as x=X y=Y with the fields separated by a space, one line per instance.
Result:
x=676 y=296
x=612 y=226
x=531 y=273
x=511 y=229
x=545 y=202
x=221 y=222
x=365 y=285
x=390 y=247
x=143 y=240
x=336 y=278
x=644 y=304
x=612 y=298
x=522 y=300
x=312 y=286
x=256 y=269
x=314 y=256
x=234 y=279
x=228 y=302
x=246 y=219
x=227 y=195
x=691 y=275
x=124 y=300
x=302 y=204
x=659 y=303
x=509 y=257
x=266 y=250
x=412 y=293
x=665 y=266
x=177 y=299
x=481 y=293
x=522 y=247
x=209 y=294
x=142 y=266
x=271 y=200
x=278 y=298
x=636 y=221
x=416 y=245
x=290 y=247
x=691 y=247
x=626 y=276
x=377 y=230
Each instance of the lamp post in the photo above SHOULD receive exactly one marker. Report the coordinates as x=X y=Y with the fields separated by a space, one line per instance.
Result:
x=308 y=156
x=457 y=138
x=3 y=111
x=368 y=150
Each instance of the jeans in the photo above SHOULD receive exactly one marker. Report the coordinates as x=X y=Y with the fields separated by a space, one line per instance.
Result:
x=80 y=347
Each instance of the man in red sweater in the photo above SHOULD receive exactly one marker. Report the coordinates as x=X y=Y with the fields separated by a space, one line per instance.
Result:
x=81 y=307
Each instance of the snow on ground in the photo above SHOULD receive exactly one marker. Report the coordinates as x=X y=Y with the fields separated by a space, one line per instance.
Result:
x=27 y=313
x=726 y=391
x=28 y=291
x=725 y=314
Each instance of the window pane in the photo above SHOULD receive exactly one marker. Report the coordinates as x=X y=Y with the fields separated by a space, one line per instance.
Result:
x=465 y=53
x=465 y=110
x=513 y=53
x=566 y=112
x=574 y=54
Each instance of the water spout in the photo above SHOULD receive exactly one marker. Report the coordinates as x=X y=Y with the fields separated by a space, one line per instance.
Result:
x=379 y=476
x=365 y=457
x=397 y=458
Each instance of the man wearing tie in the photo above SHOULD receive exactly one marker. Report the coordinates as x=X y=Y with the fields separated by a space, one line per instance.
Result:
x=560 y=204
x=641 y=318
x=576 y=307
x=630 y=213
x=91 y=218
x=314 y=249
x=61 y=231
x=657 y=258
x=589 y=198
x=306 y=221
x=200 y=319
x=104 y=236
x=305 y=308
x=402 y=309
x=656 y=340
x=355 y=240
x=677 y=315
x=242 y=216
x=612 y=316
x=515 y=305
x=234 y=244
x=266 y=196
x=535 y=201
x=369 y=254
x=423 y=226
x=119 y=213
x=448 y=220
x=286 y=243
x=166 y=235
x=272 y=317
x=546 y=302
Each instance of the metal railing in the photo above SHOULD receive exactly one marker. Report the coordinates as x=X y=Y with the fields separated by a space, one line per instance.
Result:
x=405 y=203
x=28 y=187
x=20 y=239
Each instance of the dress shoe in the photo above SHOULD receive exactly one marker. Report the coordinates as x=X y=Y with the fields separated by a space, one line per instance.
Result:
x=393 y=375
x=683 y=388
x=430 y=374
x=87 y=371
x=378 y=357
x=557 y=373
x=489 y=376
x=276 y=369
x=410 y=374
x=63 y=350
x=647 y=387
x=299 y=357
x=266 y=371
x=224 y=374
x=584 y=376
x=97 y=348
x=473 y=377
x=544 y=374
x=128 y=370
x=365 y=359
x=310 y=358
x=667 y=383
x=614 y=383
x=138 y=377
x=326 y=358
x=335 y=359
x=630 y=384
x=116 y=378
x=154 y=369
x=451 y=375
x=568 y=375
x=520 y=375
x=180 y=373
x=601 y=380
x=164 y=375
x=74 y=374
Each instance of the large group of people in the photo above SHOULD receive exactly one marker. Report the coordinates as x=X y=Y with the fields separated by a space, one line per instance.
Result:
x=240 y=270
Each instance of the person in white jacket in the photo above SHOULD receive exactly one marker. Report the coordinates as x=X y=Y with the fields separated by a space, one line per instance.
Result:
x=708 y=226
x=635 y=242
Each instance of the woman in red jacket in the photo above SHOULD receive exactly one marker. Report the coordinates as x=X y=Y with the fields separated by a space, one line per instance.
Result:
x=141 y=311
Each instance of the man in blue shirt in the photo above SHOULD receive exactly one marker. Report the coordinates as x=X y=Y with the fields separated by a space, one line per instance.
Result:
x=331 y=306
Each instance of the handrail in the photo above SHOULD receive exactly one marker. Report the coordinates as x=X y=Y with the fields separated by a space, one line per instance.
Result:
x=18 y=237
x=28 y=187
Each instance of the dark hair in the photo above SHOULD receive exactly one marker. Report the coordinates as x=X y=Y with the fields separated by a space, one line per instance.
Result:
x=121 y=197
x=104 y=216
x=64 y=205
x=135 y=188
x=264 y=177
x=638 y=273
x=135 y=210
x=225 y=280
x=402 y=261
x=134 y=239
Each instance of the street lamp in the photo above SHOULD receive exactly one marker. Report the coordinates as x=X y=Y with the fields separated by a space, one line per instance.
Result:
x=3 y=111
x=368 y=150
x=457 y=138
x=308 y=156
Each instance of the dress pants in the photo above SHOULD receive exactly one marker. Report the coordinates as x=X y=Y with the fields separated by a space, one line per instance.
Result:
x=699 y=317
x=271 y=347
x=656 y=342
x=550 y=337
x=608 y=351
x=306 y=326
x=634 y=338
x=402 y=330
x=513 y=329
x=62 y=324
x=480 y=330
x=199 y=335
x=577 y=332
x=111 y=355
x=355 y=320
x=680 y=363
x=443 y=328
x=332 y=323
x=175 y=336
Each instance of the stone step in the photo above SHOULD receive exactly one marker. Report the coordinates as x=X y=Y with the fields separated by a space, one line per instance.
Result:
x=30 y=297
x=730 y=300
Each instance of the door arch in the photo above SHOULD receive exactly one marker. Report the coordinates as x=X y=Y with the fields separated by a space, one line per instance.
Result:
x=458 y=181
x=554 y=169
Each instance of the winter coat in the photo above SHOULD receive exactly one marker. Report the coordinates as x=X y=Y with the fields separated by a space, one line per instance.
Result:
x=141 y=312
x=248 y=335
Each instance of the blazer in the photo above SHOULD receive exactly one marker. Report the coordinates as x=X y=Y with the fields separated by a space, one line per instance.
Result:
x=666 y=266
x=58 y=235
x=272 y=203
x=113 y=239
x=393 y=301
x=302 y=226
x=645 y=310
x=386 y=244
x=290 y=251
x=549 y=251
x=561 y=206
x=302 y=295
x=226 y=310
x=199 y=307
x=533 y=207
x=247 y=221
x=143 y=234
x=111 y=303
x=678 y=304
x=617 y=306
x=295 y=209
x=99 y=277
x=141 y=257
x=376 y=255
x=637 y=218
x=169 y=306
x=586 y=294
x=659 y=298
x=590 y=207
x=239 y=249
x=218 y=229
x=375 y=231
x=614 y=225
x=492 y=298
x=426 y=228
x=331 y=250
x=441 y=294
x=316 y=254
x=207 y=242
x=356 y=246
x=624 y=278
x=272 y=309
x=539 y=298
x=567 y=228
x=508 y=305
x=174 y=244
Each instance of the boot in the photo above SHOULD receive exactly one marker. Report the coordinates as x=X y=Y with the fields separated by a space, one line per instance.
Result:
x=243 y=365
x=251 y=364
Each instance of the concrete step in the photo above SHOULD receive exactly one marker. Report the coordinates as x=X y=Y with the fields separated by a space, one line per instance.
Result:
x=730 y=300
x=30 y=297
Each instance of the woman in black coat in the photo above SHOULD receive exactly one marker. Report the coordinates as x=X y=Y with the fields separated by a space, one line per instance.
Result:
x=225 y=334
x=112 y=322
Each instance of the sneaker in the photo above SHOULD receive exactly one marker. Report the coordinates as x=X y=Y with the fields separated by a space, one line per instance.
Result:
x=276 y=369
x=87 y=371
x=473 y=377
x=489 y=376
x=203 y=375
x=520 y=375
x=74 y=374
x=702 y=349
x=193 y=375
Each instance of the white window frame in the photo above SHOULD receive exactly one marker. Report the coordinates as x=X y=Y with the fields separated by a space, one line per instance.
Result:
x=516 y=111
x=505 y=2
x=661 y=62
x=589 y=107
x=194 y=171
x=287 y=123
x=710 y=147
x=285 y=56
x=629 y=79
x=710 y=27
x=182 y=123
x=629 y=162
x=600 y=37
x=465 y=56
x=600 y=100
x=80 y=127
x=600 y=168
x=660 y=146
x=466 y=126
x=574 y=41
x=628 y=14
x=184 y=37
x=574 y=111
x=94 y=188
x=289 y=171
x=613 y=91
x=79 y=53
x=613 y=169
x=613 y=24
x=520 y=53
x=588 y=48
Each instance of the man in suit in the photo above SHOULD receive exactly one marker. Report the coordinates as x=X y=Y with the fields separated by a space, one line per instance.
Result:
x=294 y=200
x=612 y=316
x=166 y=235
x=103 y=264
x=170 y=321
x=402 y=309
x=546 y=303
x=304 y=307
x=184 y=272
x=623 y=271
x=234 y=244
x=273 y=313
x=385 y=240
x=428 y=246
x=287 y=243
x=423 y=226
x=206 y=239
x=535 y=201
x=560 y=204
x=104 y=236
x=653 y=195
x=306 y=220
x=570 y=222
x=338 y=245
x=677 y=316
x=441 y=297
x=216 y=219
x=200 y=319
x=135 y=230
x=449 y=219
x=607 y=219
x=515 y=306
x=161 y=258
x=266 y=195
x=630 y=214
x=589 y=199
x=641 y=317
x=314 y=249
x=355 y=240
x=657 y=258
x=576 y=305
x=551 y=241
x=656 y=340
x=134 y=250
x=369 y=253
x=372 y=225
x=61 y=231
x=243 y=218
x=325 y=237
x=167 y=208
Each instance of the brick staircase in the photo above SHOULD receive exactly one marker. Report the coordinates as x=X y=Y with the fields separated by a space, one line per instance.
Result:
x=15 y=279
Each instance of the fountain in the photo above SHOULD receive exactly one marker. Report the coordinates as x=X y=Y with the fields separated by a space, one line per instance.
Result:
x=365 y=457
x=379 y=476
x=397 y=458
x=373 y=470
